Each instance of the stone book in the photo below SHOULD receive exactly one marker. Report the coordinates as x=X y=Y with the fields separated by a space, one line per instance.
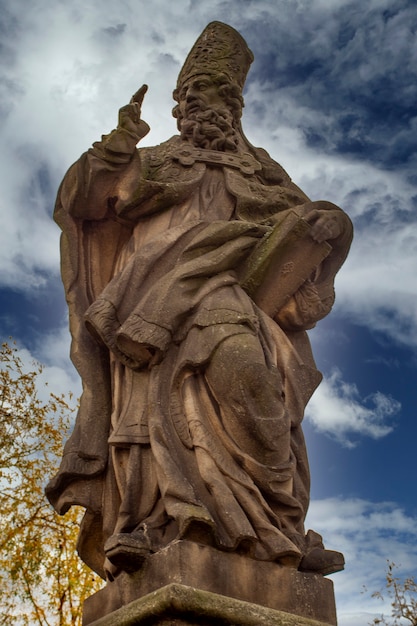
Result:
x=284 y=259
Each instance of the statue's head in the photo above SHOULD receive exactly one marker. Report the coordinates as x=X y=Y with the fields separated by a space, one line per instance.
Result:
x=210 y=84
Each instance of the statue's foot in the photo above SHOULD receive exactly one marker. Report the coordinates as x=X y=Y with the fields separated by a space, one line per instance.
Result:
x=127 y=551
x=321 y=561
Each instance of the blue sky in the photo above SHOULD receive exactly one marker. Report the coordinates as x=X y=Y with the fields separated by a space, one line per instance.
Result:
x=332 y=96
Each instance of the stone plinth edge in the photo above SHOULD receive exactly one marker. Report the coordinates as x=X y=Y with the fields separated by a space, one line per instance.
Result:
x=179 y=605
x=230 y=575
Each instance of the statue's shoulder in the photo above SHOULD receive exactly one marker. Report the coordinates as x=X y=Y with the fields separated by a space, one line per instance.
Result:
x=272 y=171
x=160 y=163
x=161 y=152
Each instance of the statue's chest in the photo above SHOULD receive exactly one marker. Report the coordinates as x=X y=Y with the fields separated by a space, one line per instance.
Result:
x=181 y=160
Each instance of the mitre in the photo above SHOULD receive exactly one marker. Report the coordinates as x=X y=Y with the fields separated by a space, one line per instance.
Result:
x=220 y=49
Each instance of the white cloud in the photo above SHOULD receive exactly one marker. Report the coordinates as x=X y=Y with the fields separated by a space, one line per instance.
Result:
x=58 y=374
x=369 y=534
x=53 y=350
x=69 y=68
x=337 y=409
x=376 y=286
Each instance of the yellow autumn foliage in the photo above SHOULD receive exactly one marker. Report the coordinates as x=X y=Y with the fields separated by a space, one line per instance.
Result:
x=42 y=580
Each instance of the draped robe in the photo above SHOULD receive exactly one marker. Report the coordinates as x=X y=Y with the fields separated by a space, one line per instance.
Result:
x=151 y=252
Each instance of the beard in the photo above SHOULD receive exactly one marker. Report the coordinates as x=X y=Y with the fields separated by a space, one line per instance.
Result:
x=209 y=128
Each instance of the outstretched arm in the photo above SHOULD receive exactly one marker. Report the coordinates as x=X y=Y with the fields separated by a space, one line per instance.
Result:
x=88 y=185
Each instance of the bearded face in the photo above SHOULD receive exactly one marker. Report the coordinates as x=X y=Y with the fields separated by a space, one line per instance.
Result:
x=204 y=116
x=210 y=129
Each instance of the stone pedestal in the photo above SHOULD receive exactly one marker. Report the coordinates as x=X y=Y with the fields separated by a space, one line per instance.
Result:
x=188 y=583
x=178 y=605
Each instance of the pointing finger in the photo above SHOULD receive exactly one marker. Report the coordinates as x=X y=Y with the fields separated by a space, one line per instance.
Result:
x=139 y=95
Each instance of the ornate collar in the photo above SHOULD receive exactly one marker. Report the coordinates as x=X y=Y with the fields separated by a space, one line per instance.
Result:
x=188 y=155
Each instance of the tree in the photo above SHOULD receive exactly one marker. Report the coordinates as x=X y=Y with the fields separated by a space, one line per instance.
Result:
x=42 y=580
x=403 y=595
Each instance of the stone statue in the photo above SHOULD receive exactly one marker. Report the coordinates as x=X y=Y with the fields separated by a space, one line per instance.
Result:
x=192 y=271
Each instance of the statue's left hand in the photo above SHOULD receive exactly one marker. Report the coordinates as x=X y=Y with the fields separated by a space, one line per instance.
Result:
x=326 y=224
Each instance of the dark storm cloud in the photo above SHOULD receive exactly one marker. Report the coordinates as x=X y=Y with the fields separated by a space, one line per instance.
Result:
x=9 y=26
x=10 y=92
x=355 y=66
x=115 y=31
x=10 y=87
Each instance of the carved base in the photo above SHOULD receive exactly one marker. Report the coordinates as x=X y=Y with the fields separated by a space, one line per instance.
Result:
x=178 y=577
x=178 y=605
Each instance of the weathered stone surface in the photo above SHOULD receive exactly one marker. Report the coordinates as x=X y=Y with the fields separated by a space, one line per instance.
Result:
x=227 y=574
x=178 y=605
x=193 y=270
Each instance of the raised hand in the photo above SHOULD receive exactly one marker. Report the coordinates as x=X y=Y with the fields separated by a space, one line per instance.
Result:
x=130 y=114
